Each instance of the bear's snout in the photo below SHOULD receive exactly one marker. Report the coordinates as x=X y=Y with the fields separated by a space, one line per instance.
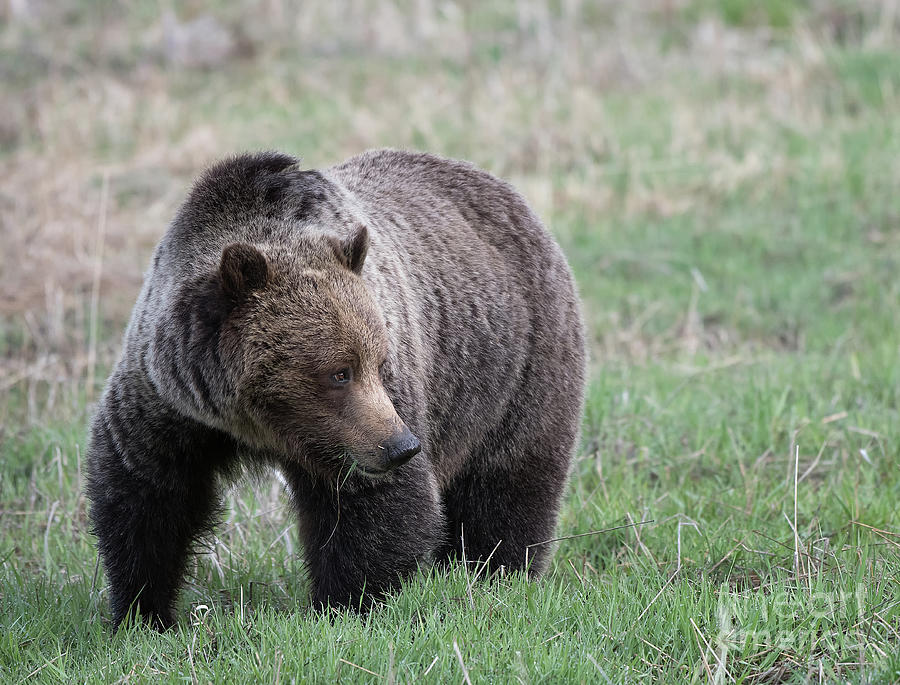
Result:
x=400 y=448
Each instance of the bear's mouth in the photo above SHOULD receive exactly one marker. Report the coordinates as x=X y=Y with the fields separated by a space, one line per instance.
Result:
x=368 y=472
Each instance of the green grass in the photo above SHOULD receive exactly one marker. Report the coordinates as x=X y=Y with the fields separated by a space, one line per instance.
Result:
x=733 y=228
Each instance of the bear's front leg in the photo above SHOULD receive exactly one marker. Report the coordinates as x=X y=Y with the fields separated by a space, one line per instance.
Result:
x=151 y=480
x=363 y=536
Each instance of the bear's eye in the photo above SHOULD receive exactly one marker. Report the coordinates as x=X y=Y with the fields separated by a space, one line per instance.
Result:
x=342 y=377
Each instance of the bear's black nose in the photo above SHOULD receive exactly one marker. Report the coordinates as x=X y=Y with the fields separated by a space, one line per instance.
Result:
x=400 y=448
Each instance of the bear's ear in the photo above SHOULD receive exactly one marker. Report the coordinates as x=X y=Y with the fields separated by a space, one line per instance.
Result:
x=354 y=247
x=243 y=269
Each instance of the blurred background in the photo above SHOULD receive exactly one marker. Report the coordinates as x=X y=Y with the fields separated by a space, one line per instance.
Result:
x=678 y=149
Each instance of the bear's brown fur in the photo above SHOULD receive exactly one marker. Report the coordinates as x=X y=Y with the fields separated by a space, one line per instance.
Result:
x=399 y=335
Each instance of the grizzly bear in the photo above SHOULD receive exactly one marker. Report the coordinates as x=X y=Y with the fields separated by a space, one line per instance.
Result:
x=398 y=335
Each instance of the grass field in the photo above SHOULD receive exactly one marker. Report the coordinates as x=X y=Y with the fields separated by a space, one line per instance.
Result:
x=724 y=179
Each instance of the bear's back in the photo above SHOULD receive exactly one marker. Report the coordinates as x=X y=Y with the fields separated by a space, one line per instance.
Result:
x=471 y=281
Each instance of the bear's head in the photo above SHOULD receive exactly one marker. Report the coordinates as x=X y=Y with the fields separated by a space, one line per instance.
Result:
x=310 y=347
